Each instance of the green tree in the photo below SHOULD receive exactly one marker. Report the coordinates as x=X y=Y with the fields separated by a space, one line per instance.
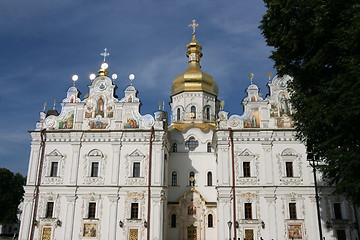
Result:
x=318 y=43
x=11 y=194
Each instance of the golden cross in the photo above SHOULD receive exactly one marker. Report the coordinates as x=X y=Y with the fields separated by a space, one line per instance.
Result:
x=193 y=25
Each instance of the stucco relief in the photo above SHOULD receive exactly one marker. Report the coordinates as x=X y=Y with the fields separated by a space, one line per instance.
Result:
x=94 y=155
x=290 y=155
x=54 y=156
x=136 y=156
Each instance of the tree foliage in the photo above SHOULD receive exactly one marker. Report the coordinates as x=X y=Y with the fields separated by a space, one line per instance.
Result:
x=318 y=43
x=11 y=193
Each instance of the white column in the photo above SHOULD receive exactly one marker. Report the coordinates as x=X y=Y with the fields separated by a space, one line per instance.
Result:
x=69 y=220
x=271 y=223
x=26 y=218
x=268 y=164
x=115 y=163
x=112 y=226
x=34 y=162
x=74 y=163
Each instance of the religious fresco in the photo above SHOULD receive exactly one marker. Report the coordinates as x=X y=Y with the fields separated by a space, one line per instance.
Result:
x=90 y=230
x=100 y=107
x=98 y=124
x=46 y=233
x=281 y=112
x=295 y=232
x=89 y=112
x=131 y=123
x=67 y=122
x=254 y=120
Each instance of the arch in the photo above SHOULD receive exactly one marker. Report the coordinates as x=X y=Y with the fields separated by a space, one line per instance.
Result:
x=174 y=178
x=95 y=153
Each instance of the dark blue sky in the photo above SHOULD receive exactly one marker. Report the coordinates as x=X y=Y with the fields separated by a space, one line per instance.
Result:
x=43 y=43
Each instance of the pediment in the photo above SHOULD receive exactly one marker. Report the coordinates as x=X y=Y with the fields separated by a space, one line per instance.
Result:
x=247 y=153
x=55 y=153
x=136 y=153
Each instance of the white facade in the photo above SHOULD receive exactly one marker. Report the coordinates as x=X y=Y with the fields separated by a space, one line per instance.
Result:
x=93 y=164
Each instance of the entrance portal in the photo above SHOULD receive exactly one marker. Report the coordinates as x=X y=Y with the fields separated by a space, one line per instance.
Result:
x=191 y=233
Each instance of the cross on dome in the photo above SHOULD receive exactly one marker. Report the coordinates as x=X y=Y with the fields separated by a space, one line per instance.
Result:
x=193 y=25
x=105 y=54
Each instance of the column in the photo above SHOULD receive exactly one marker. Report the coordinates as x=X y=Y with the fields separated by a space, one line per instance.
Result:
x=69 y=220
x=268 y=163
x=112 y=226
x=74 y=163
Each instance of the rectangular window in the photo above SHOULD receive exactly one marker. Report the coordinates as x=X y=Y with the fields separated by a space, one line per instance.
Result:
x=49 y=210
x=341 y=234
x=92 y=210
x=54 y=169
x=289 y=169
x=94 y=169
x=134 y=210
x=246 y=168
x=248 y=211
x=136 y=169
x=337 y=211
x=292 y=210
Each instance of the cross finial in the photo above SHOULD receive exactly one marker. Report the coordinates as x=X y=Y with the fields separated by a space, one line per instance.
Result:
x=105 y=54
x=193 y=25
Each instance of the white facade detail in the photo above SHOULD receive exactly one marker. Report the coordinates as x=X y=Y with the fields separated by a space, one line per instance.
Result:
x=93 y=160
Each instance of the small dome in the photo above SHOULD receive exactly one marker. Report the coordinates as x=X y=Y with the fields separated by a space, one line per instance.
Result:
x=193 y=79
x=130 y=89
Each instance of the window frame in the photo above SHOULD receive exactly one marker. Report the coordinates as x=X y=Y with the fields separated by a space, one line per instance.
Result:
x=292 y=211
x=136 y=169
x=246 y=169
x=173 y=178
x=173 y=220
x=248 y=211
x=92 y=210
x=337 y=211
x=209 y=178
x=289 y=168
x=94 y=173
x=174 y=147
x=54 y=170
x=210 y=221
x=134 y=210
x=49 y=210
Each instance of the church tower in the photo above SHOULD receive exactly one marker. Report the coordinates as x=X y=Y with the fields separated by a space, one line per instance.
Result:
x=194 y=92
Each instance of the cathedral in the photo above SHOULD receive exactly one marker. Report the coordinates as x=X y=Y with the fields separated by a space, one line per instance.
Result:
x=101 y=170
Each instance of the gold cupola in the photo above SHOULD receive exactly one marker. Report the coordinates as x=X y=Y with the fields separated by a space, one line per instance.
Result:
x=193 y=79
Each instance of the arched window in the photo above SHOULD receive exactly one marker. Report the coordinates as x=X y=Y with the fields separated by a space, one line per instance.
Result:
x=209 y=178
x=210 y=221
x=174 y=147
x=193 y=110
x=178 y=114
x=173 y=220
x=173 y=178
x=192 y=178
x=208 y=113
x=208 y=147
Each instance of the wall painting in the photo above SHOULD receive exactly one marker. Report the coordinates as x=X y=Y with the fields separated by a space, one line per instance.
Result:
x=254 y=120
x=295 y=231
x=90 y=230
x=68 y=122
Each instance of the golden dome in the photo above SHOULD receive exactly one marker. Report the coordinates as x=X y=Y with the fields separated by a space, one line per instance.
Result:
x=193 y=79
